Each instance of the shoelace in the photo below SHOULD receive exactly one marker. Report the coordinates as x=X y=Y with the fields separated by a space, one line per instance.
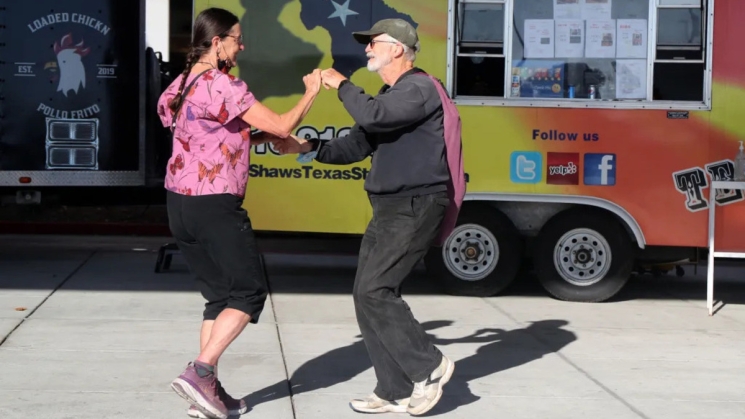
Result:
x=418 y=390
x=373 y=399
x=221 y=391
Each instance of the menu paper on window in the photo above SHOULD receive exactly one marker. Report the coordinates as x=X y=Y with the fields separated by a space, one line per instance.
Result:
x=567 y=9
x=600 y=41
x=539 y=38
x=631 y=38
x=570 y=38
x=596 y=9
x=631 y=79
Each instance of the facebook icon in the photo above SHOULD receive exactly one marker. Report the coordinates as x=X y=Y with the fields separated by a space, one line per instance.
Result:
x=600 y=169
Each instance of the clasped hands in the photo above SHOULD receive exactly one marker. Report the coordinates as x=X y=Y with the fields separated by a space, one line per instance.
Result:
x=330 y=79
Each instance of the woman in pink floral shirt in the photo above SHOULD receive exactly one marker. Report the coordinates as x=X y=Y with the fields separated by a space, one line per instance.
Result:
x=211 y=114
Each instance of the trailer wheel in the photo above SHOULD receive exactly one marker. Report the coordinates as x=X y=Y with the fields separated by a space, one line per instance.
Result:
x=583 y=255
x=482 y=255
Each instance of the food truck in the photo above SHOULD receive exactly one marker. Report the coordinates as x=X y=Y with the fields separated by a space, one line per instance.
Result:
x=66 y=70
x=592 y=129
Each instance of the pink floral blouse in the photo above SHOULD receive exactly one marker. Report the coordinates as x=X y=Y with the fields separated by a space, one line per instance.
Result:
x=211 y=143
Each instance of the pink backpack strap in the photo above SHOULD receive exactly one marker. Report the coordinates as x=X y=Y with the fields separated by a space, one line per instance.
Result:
x=454 y=150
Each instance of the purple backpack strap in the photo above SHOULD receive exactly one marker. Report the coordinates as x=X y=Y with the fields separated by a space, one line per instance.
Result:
x=454 y=150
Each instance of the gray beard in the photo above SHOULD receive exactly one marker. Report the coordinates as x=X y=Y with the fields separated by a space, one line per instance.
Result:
x=377 y=64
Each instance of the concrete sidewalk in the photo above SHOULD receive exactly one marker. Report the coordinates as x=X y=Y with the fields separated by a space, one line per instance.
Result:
x=93 y=332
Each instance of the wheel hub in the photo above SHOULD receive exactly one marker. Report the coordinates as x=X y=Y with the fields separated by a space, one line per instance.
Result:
x=582 y=257
x=471 y=252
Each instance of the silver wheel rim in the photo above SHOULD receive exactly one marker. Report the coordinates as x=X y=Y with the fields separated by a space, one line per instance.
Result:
x=582 y=257
x=471 y=252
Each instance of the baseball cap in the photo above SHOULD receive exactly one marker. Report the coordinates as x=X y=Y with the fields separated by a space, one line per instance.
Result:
x=397 y=28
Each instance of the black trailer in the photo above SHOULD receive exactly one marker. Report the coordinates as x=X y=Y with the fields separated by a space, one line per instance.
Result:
x=78 y=90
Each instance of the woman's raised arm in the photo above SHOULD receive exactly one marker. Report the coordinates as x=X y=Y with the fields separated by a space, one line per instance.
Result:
x=264 y=119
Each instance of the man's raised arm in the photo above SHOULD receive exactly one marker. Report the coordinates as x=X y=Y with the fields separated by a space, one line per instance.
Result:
x=401 y=106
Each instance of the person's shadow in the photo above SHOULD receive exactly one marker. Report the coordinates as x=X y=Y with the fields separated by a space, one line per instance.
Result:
x=334 y=367
x=502 y=350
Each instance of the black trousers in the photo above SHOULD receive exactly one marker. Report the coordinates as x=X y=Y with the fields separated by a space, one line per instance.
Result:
x=215 y=237
x=401 y=231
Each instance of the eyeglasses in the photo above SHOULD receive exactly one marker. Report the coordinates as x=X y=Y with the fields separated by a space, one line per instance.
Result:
x=377 y=41
x=237 y=38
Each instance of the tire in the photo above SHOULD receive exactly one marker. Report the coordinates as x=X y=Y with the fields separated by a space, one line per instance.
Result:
x=492 y=234
x=587 y=235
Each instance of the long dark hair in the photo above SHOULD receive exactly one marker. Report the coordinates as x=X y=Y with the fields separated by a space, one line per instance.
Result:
x=208 y=24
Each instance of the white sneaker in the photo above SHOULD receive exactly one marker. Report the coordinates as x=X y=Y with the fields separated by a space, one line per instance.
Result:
x=427 y=393
x=374 y=404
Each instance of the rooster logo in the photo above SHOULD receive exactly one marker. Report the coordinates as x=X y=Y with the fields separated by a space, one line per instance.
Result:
x=70 y=64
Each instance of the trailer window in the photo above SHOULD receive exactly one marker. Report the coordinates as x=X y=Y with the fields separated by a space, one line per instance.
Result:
x=680 y=62
x=480 y=48
x=580 y=53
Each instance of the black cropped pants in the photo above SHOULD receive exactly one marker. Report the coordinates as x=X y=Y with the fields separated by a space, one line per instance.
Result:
x=215 y=237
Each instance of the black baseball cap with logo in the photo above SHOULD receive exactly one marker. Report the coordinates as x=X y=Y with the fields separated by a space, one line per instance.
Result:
x=397 y=28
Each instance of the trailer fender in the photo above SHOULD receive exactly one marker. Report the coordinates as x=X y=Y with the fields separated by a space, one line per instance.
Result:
x=628 y=220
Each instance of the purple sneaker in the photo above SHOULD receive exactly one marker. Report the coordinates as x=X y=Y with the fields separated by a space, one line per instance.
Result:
x=202 y=392
x=235 y=407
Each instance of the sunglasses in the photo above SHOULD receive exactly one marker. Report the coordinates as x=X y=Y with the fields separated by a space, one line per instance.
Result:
x=376 y=41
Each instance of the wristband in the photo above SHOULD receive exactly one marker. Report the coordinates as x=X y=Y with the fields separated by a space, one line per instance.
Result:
x=309 y=156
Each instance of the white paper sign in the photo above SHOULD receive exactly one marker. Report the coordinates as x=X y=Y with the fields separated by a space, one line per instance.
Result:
x=596 y=9
x=631 y=79
x=567 y=9
x=539 y=38
x=570 y=38
x=631 y=38
x=600 y=41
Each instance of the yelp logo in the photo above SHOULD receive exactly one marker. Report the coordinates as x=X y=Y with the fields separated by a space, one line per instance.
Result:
x=562 y=168
x=569 y=169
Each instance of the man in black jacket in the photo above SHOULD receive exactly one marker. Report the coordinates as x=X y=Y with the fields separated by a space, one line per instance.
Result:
x=402 y=127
